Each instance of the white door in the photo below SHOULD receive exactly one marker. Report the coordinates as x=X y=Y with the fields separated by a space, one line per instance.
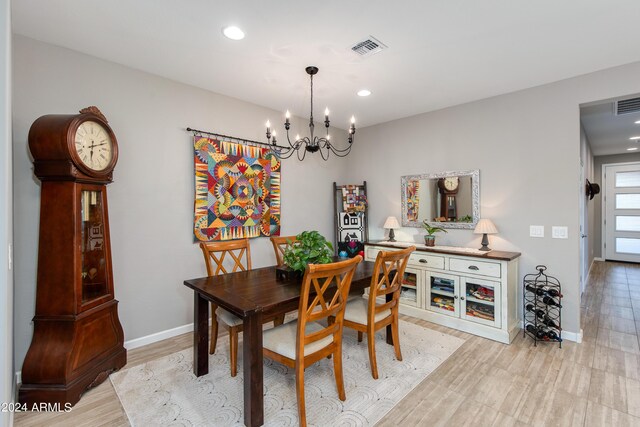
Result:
x=622 y=212
x=584 y=243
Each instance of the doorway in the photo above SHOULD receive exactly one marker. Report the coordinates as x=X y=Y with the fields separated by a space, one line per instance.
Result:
x=621 y=212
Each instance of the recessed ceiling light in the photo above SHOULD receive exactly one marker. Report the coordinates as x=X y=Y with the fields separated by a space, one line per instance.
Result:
x=637 y=122
x=233 y=33
x=364 y=92
x=632 y=149
x=634 y=138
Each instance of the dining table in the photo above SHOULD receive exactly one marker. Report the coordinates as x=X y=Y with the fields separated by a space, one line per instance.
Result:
x=252 y=295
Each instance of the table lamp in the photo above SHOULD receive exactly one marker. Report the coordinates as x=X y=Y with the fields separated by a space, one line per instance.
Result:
x=484 y=227
x=392 y=224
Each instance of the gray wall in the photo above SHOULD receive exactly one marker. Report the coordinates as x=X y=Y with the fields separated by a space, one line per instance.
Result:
x=526 y=145
x=151 y=199
x=597 y=206
x=6 y=274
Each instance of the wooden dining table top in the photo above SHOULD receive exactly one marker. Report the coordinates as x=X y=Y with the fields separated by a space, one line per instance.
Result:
x=244 y=292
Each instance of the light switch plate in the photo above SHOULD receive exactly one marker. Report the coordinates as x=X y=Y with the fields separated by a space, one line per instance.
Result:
x=558 y=232
x=536 y=231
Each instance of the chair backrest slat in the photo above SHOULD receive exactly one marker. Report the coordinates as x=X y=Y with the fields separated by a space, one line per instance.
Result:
x=279 y=245
x=324 y=292
x=388 y=273
x=215 y=252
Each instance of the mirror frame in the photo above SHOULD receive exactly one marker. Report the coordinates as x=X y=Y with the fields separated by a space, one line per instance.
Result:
x=475 y=196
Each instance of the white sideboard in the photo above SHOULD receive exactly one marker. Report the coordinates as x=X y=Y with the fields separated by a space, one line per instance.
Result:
x=461 y=288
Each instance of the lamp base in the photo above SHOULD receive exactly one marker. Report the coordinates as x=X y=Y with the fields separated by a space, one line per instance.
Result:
x=485 y=243
x=392 y=236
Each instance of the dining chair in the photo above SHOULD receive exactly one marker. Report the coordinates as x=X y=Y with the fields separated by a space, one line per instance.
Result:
x=279 y=245
x=369 y=316
x=302 y=342
x=237 y=254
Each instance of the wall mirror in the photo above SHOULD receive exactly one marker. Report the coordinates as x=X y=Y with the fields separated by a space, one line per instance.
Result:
x=447 y=199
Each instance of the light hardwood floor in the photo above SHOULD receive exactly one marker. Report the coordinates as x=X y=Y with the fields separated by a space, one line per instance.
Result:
x=485 y=383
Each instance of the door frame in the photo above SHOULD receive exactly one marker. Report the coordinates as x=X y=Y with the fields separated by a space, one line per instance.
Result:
x=603 y=227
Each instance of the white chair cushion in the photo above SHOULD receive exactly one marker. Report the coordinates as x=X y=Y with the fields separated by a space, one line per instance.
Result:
x=282 y=339
x=356 y=312
x=228 y=318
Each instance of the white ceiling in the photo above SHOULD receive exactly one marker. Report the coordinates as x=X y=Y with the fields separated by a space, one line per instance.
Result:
x=607 y=132
x=441 y=52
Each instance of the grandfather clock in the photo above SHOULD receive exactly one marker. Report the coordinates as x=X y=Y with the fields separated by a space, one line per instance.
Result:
x=448 y=189
x=77 y=337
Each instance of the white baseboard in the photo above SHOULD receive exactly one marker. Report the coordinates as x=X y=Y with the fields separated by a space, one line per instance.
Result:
x=159 y=336
x=598 y=259
x=572 y=336
x=18 y=378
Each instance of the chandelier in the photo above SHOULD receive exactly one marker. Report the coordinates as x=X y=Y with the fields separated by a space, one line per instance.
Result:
x=310 y=143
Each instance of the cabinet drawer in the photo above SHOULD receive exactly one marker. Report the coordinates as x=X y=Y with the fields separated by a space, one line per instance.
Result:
x=424 y=260
x=371 y=253
x=482 y=268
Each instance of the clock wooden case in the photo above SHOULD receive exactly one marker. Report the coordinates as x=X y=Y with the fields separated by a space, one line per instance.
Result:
x=448 y=189
x=77 y=337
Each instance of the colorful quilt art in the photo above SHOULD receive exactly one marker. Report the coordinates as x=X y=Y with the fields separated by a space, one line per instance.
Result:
x=413 y=200
x=237 y=191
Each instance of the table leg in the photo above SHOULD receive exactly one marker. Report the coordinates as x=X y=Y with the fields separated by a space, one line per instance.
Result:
x=200 y=335
x=389 y=297
x=253 y=369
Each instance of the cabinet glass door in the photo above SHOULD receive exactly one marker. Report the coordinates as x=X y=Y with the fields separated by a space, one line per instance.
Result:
x=411 y=288
x=443 y=294
x=481 y=301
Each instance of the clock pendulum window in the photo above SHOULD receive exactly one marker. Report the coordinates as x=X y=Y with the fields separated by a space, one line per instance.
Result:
x=449 y=187
x=77 y=336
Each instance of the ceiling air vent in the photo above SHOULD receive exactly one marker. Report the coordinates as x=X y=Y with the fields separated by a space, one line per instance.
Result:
x=627 y=106
x=368 y=46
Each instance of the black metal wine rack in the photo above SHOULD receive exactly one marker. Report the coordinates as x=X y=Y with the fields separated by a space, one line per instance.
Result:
x=542 y=307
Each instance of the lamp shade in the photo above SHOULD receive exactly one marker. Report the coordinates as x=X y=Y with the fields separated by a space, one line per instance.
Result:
x=485 y=226
x=391 y=223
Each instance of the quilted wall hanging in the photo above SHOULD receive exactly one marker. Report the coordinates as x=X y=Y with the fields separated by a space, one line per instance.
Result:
x=237 y=190
x=413 y=200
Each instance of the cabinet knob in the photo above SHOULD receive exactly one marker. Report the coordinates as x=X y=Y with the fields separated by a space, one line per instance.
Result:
x=473 y=267
x=462 y=298
x=422 y=260
x=455 y=297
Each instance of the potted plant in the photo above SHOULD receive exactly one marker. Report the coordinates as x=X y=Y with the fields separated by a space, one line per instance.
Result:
x=310 y=247
x=430 y=238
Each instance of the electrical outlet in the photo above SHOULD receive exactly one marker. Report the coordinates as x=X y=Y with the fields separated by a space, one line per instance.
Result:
x=558 y=232
x=536 y=231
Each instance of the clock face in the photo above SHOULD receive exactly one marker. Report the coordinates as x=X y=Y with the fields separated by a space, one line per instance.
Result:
x=451 y=183
x=93 y=145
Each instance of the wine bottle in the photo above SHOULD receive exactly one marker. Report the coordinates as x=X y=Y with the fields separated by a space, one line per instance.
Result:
x=550 y=301
x=535 y=290
x=554 y=293
x=550 y=322
x=552 y=335
x=538 y=332
x=539 y=312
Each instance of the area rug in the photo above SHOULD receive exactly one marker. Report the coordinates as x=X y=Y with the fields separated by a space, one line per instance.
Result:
x=165 y=391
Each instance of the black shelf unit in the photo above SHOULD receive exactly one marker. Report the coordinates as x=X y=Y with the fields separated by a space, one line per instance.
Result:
x=359 y=232
x=542 y=307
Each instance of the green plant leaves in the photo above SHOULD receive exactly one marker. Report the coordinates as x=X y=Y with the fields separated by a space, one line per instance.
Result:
x=431 y=230
x=310 y=248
